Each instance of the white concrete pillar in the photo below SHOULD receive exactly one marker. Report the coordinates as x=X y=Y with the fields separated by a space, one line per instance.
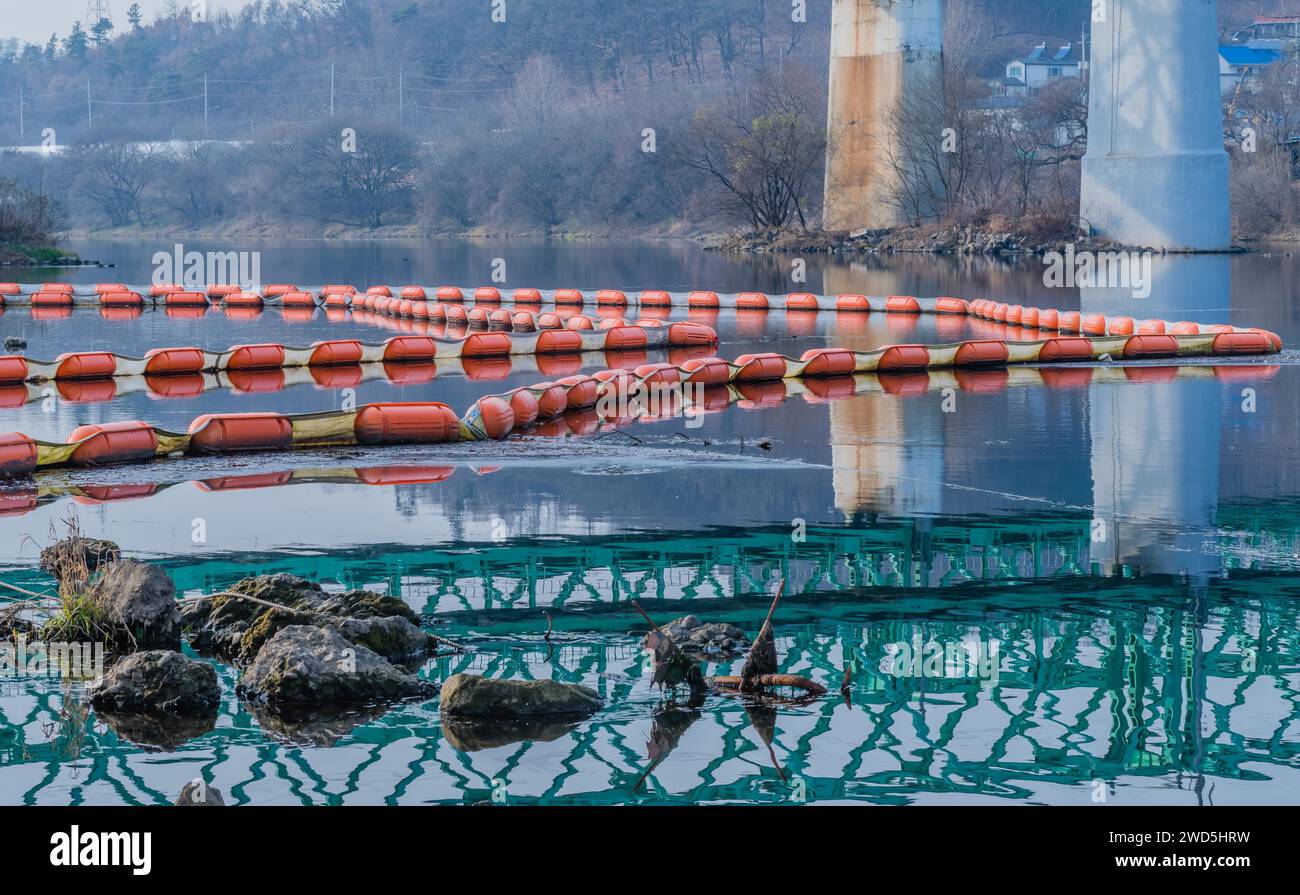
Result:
x=879 y=50
x=1156 y=172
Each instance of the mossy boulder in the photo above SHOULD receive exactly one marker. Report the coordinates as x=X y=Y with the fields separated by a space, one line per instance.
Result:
x=470 y=695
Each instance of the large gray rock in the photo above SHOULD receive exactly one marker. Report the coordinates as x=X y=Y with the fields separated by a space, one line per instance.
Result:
x=470 y=695
x=196 y=793
x=140 y=600
x=308 y=665
x=237 y=629
x=158 y=681
x=392 y=637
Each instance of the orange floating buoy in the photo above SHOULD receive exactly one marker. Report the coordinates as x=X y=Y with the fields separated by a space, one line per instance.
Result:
x=331 y=301
x=219 y=290
x=1014 y=314
x=1093 y=325
x=529 y=296
x=486 y=345
x=501 y=317
x=1070 y=322
x=113 y=443
x=975 y=353
x=18 y=454
x=496 y=416
x=611 y=297
x=410 y=293
x=709 y=371
x=1217 y=328
x=487 y=295
x=215 y=433
x=336 y=353
x=552 y=399
x=410 y=348
x=523 y=321
x=63 y=288
x=567 y=297
x=244 y=300
x=755 y=301
x=655 y=298
x=338 y=289
x=623 y=337
x=10 y=289
x=1241 y=343
x=158 y=290
x=611 y=322
x=1274 y=340
x=456 y=314
x=173 y=361
x=1000 y=311
x=1120 y=326
x=581 y=391
x=558 y=342
x=1152 y=345
x=122 y=297
x=1185 y=328
x=255 y=357
x=902 y=304
x=829 y=362
x=186 y=298
x=549 y=320
x=13 y=368
x=51 y=298
x=86 y=365
x=707 y=299
x=1151 y=328
x=850 y=302
x=479 y=317
x=415 y=423
x=759 y=367
x=955 y=306
x=275 y=290
x=905 y=357
x=651 y=374
x=615 y=382
x=523 y=404
x=382 y=290
x=1065 y=349
x=1049 y=318
x=450 y=293
x=578 y=322
x=685 y=335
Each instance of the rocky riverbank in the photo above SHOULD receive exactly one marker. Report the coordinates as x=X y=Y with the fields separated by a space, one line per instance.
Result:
x=932 y=240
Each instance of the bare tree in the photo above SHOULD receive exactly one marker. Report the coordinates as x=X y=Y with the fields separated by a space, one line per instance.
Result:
x=765 y=146
x=115 y=176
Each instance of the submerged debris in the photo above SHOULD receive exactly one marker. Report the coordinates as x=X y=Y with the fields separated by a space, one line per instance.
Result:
x=696 y=637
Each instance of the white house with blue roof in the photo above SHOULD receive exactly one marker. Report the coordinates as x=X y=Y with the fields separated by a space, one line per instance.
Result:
x=1239 y=64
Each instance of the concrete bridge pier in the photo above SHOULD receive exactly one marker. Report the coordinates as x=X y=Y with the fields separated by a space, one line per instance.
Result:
x=1156 y=172
x=880 y=50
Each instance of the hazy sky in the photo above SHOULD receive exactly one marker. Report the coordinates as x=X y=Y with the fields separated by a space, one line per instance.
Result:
x=34 y=22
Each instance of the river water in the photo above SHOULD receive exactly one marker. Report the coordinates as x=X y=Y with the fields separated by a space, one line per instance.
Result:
x=1124 y=540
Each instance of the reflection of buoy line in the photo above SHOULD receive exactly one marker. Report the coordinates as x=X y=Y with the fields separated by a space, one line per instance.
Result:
x=496 y=416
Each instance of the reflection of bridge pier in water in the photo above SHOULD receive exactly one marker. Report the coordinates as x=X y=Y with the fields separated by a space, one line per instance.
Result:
x=1142 y=431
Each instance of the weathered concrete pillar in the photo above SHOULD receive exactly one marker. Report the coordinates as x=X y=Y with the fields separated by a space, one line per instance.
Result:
x=880 y=49
x=1156 y=173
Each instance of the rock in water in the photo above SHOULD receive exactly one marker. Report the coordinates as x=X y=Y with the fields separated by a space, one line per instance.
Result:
x=697 y=637
x=140 y=599
x=159 y=681
x=481 y=697
x=15 y=343
x=306 y=665
x=72 y=560
x=392 y=637
x=196 y=792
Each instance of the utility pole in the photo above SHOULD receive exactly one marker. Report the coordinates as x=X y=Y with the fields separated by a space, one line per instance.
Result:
x=22 y=131
x=401 y=99
x=90 y=115
x=205 y=107
x=331 y=89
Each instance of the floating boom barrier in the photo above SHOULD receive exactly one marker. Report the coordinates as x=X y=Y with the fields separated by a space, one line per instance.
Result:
x=438 y=304
x=497 y=416
x=351 y=352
